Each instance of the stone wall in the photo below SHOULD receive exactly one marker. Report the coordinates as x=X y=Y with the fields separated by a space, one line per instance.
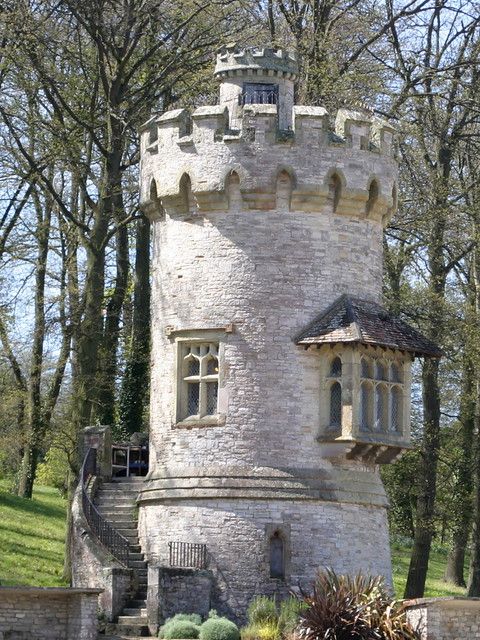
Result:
x=348 y=538
x=37 y=613
x=174 y=590
x=445 y=618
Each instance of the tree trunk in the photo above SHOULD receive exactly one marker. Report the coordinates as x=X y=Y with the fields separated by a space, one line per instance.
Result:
x=427 y=471
x=135 y=386
x=105 y=411
x=36 y=425
x=424 y=529
x=473 y=589
x=462 y=511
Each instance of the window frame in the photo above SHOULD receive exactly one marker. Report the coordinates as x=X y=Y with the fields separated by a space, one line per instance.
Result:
x=181 y=381
x=385 y=384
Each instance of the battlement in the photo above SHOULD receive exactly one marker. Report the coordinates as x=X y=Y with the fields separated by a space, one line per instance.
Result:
x=233 y=61
x=350 y=169
x=354 y=129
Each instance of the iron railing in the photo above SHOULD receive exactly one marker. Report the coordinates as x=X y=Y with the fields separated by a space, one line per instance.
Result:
x=103 y=530
x=188 y=555
x=260 y=94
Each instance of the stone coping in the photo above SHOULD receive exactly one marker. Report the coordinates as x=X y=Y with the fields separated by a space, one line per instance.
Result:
x=446 y=601
x=49 y=590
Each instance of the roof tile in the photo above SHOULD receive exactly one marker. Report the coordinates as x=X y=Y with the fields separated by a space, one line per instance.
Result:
x=351 y=319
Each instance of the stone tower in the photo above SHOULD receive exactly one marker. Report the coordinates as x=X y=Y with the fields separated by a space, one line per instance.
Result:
x=279 y=383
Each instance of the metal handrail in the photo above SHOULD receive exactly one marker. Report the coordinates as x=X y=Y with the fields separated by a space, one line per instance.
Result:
x=116 y=544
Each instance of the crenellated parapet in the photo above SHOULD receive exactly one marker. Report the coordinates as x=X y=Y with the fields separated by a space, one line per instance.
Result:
x=194 y=164
x=232 y=61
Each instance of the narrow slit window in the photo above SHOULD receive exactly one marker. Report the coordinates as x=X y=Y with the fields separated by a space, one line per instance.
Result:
x=277 y=556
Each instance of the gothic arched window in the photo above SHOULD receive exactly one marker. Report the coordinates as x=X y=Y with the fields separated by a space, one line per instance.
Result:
x=336 y=405
x=277 y=556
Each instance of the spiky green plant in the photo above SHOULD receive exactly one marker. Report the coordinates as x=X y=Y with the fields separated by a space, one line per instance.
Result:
x=352 y=608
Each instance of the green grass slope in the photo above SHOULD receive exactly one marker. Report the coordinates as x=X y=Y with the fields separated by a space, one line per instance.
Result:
x=435 y=586
x=32 y=538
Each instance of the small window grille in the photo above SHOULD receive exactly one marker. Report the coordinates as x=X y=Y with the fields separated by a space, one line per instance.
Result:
x=199 y=393
x=336 y=368
x=336 y=405
x=259 y=93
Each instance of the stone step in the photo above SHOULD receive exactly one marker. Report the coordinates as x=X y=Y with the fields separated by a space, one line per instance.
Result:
x=128 y=493
x=135 y=548
x=133 y=620
x=113 y=501
x=136 y=564
x=122 y=523
x=136 y=555
x=135 y=612
x=120 y=508
x=130 y=534
x=128 y=630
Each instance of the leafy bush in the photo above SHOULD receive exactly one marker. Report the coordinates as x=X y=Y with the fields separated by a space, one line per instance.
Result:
x=179 y=629
x=185 y=617
x=54 y=470
x=345 y=608
x=262 y=610
x=219 y=629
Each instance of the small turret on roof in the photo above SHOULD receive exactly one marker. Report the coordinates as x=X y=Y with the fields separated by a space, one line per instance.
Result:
x=353 y=320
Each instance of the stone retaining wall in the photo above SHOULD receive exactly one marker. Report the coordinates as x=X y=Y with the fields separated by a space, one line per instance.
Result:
x=48 y=613
x=445 y=618
x=175 y=590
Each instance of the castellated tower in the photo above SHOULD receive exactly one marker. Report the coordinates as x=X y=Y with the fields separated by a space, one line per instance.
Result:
x=279 y=383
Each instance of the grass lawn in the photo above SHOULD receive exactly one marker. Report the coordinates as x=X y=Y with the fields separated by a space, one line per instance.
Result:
x=435 y=586
x=32 y=538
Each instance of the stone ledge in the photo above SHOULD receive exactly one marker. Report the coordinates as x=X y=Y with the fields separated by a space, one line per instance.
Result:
x=49 y=590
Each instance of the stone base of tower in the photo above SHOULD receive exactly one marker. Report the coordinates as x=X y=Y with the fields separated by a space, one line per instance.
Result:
x=349 y=538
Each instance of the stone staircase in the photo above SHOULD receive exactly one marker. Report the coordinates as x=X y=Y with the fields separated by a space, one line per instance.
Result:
x=115 y=501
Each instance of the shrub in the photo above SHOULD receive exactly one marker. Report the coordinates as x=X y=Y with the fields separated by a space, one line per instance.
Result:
x=185 y=617
x=179 y=629
x=250 y=632
x=342 y=608
x=290 y=610
x=262 y=610
x=54 y=470
x=219 y=629
x=268 y=631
